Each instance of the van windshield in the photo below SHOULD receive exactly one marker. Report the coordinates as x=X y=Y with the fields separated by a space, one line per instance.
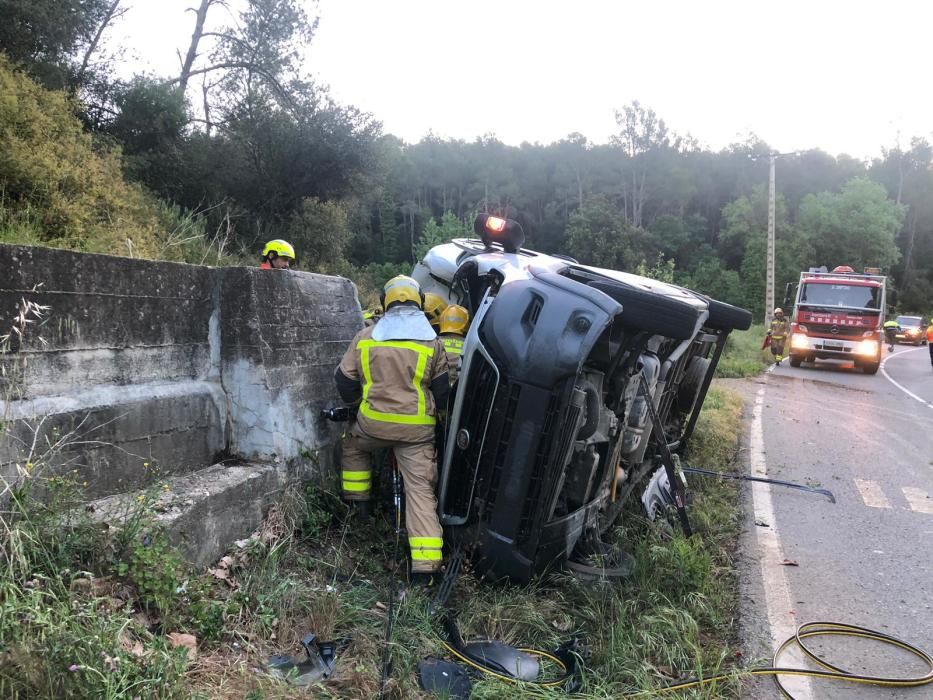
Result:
x=846 y=296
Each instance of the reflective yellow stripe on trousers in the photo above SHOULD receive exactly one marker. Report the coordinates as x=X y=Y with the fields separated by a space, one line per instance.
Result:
x=356 y=480
x=426 y=548
x=424 y=352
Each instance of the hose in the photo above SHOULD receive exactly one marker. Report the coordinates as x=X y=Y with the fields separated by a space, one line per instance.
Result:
x=831 y=672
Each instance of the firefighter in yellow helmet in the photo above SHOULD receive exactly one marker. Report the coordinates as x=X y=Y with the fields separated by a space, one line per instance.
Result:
x=397 y=371
x=277 y=255
x=434 y=306
x=778 y=334
x=453 y=325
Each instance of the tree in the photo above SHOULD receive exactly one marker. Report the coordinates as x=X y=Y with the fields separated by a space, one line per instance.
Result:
x=435 y=233
x=47 y=37
x=856 y=226
x=60 y=186
x=642 y=136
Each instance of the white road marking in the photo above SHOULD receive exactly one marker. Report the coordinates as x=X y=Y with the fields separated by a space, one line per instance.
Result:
x=872 y=494
x=898 y=384
x=770 y=555
x=918 y=499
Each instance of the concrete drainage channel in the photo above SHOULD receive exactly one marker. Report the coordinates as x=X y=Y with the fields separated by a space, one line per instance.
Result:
x=143 y=372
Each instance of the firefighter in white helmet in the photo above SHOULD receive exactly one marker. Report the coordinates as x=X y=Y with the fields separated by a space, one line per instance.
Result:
x=778 y=334
x=397 y=371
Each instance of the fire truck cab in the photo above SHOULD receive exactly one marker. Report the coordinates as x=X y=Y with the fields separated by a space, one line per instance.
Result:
x=839 y=315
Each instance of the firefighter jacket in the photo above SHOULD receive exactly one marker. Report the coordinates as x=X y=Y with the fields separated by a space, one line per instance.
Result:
x=399 y=383
x=930 y=335
x=453 y=346
x=778 y=329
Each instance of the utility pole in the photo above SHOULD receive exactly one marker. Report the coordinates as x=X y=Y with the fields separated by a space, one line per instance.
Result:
x=769 y=289
x=769 y=262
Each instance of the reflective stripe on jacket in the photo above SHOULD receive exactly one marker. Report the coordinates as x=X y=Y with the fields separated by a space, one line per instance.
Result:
x=778 y=328
x=396 y=376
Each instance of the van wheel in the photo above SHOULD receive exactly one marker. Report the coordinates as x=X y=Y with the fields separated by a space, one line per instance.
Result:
x=795 y=360
x=650 y=312
x=871 y=367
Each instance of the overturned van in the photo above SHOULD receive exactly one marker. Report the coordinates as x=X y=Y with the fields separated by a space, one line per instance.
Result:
x=549 y=430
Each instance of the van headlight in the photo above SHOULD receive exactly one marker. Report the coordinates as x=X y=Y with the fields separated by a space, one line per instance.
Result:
x=799 y=340
x=867 y=347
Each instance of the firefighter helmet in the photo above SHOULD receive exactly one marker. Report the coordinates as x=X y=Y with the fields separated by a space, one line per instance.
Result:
x=434 y=306
x=278 y=249
x=454 y=319
x=401 y=289
x=778 y=311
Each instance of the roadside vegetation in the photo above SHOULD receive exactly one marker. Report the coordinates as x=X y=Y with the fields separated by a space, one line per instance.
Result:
x=91 y=613
x=743 y=356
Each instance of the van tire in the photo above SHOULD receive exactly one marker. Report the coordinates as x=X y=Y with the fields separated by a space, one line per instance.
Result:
x=647 y=311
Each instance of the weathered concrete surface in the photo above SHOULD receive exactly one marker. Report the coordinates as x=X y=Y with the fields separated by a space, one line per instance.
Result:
x=117 y=438
x=206 y=511
x=282 y=335
x=143 y=368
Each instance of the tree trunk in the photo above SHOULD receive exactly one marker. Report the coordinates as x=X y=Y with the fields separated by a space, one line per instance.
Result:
x=200 y=16
x=579 y=189
x=108 y=18
x=909 y=248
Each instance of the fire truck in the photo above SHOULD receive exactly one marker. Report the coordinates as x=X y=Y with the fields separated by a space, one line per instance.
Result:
x=838 y=315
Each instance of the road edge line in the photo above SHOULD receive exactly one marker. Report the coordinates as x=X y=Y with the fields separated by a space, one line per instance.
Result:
x=898 y=384
x=778 y=600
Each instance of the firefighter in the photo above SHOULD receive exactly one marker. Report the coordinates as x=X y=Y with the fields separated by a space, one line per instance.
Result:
x=778 y=335
x=277 y=255
x=397 y=371
x=890 y=333
x=453 y=325
x=930 y=340
x=434 y=306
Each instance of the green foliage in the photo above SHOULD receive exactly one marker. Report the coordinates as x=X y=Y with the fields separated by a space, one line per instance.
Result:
x=435 y=233
x=62 y=633
x=320 y=232
x=155 y=569
x=743 y=356
x=44 y=36
x=54 y=176
x=855 y=227
x=662 y=269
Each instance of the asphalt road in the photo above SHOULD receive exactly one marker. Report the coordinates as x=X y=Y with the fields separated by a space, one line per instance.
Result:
x=868 y=559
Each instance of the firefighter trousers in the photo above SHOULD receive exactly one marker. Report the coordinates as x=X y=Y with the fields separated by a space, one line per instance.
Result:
x=416 y=462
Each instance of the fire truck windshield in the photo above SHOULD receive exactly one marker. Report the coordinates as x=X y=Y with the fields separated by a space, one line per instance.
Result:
x=848 y=296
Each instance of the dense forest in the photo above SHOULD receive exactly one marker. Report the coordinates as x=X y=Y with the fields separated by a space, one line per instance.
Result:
x=241 y=146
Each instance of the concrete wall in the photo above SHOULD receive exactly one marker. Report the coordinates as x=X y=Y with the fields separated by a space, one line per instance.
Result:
x=145 y=367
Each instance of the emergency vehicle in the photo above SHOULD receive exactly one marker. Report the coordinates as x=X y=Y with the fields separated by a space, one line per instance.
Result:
x=838 y=315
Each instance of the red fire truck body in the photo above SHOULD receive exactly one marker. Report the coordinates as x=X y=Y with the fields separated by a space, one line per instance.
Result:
x=839 y=315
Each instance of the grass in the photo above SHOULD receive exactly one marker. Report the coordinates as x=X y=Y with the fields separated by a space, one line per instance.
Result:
x=743 y=356
x=87 y=614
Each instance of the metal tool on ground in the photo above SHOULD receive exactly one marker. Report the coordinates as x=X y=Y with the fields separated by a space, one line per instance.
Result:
x=318 y=665
x=761 y=479
x=667 y=459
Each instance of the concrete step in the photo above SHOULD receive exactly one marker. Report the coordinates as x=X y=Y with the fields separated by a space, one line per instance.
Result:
x=116 y=438
x=206 y=511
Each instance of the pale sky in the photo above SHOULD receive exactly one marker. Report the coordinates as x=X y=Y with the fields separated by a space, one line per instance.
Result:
x=846 y=77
